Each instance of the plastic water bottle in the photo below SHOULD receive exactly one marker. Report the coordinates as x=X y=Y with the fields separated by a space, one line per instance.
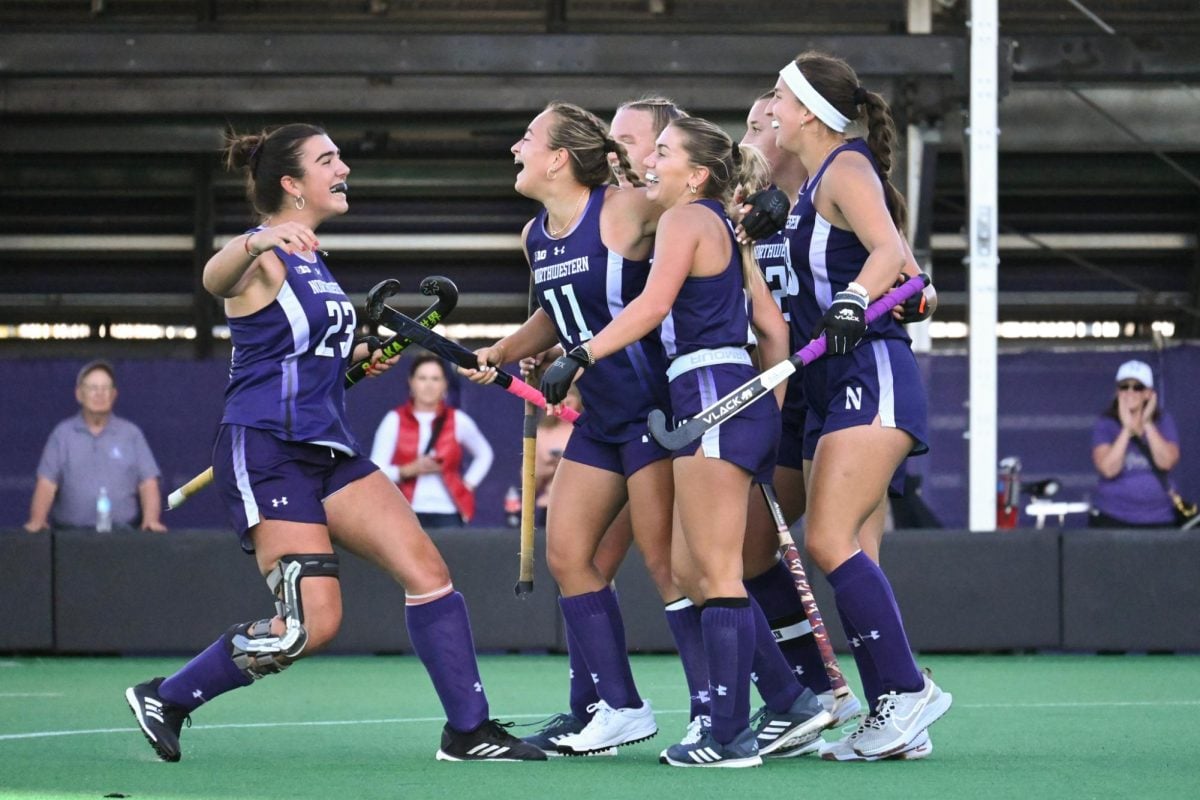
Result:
x=103 y=512
x=512 y=507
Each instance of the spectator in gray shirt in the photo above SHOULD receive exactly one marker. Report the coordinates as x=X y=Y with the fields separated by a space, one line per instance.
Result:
x=91 y=451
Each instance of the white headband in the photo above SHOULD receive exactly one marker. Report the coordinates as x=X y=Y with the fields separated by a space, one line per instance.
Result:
x=812 y=99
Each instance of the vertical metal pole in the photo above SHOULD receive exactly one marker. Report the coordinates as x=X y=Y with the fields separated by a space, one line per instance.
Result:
x=203 y=231
x=920 y=21
x=982 y=265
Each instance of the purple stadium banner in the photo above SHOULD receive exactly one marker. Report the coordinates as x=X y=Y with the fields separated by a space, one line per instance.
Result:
x=1048 y=401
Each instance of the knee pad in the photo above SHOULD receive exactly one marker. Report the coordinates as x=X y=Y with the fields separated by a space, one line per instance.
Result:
x=254 y=649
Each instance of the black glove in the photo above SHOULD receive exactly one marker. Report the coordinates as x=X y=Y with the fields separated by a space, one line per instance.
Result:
x=373 y=344
x=916 y=308
x=768 y=215
x=556 y=381
x=844 y=323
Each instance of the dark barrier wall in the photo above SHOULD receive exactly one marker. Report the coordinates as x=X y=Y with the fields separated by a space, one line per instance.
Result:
x=1121 y=595
x=26 y=592
x=147 y=593
x=1048 y=402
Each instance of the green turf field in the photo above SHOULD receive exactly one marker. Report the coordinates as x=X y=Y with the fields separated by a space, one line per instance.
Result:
x=349 y=727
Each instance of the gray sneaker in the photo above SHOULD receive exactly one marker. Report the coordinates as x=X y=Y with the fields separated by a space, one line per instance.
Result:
x=843 y=749
x=799 y=725
x=900 y=718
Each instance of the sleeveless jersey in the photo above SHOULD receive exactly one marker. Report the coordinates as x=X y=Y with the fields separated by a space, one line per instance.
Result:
x=581 y=286
x=711 y=311
x=289 y=359
x=826 y=258
x=774 y=257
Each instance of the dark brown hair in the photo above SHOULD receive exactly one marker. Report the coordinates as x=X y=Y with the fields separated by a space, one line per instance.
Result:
x=836 y=81
x=267 y=157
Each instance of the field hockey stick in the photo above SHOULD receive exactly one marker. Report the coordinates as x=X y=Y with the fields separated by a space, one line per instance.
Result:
x=791 y=557
x=762 y=384
x=455 y=353
x=435 y=286
x=528 y=488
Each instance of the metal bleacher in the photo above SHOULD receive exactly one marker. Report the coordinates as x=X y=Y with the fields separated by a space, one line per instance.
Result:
x=111 y=112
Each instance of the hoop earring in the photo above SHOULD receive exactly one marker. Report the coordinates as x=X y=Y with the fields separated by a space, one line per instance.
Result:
x=300 y=202
x=691 y=188
x=551 y=173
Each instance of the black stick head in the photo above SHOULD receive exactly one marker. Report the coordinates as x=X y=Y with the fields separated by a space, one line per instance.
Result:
x=670 y=439
x=379 y=294
x=523 y=588
x=443 y=289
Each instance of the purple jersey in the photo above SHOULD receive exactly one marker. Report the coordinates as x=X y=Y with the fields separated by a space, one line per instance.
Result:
x=713 y=311
x=289 y=359
x=774 y=258
x=582 y=286
x=826 y=259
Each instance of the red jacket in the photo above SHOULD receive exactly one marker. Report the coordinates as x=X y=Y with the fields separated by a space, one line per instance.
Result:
x=446 y=450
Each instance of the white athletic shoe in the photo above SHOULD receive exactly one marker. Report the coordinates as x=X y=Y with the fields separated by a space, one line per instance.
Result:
x=900 y=718
x=844 y=709
x=610 y=727
x=843 y=749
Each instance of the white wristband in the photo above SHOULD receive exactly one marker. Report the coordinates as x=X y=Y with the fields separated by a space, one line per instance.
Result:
x=858 y=288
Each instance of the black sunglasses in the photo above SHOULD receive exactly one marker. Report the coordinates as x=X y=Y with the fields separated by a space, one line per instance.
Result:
x=1131 y=387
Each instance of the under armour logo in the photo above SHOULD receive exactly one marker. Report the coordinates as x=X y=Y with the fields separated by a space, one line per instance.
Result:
x=855 y=642
x=721 y=690
x=279 y=501
x=754 y=677
x=478 y=686
x=199 y=695
x=559 y=250
x=799 y=670
x=571 y=673
x=702 y=696
x=595 y=677
x=871 y=635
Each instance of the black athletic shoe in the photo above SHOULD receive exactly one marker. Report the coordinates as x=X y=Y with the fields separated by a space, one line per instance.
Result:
x=489 y=742
x=160 y=721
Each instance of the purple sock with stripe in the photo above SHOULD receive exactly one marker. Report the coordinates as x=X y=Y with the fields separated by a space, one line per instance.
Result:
x=728 y=626
x=865 y=598
x=441 y=636
x=872 y=687
x=209 y=674
x=771 y=672
x=595 y=621
x=775 y=591
x=683 y=618
x=583 y=688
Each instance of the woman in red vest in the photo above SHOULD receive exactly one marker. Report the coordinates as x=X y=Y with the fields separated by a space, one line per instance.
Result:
x=420 y=445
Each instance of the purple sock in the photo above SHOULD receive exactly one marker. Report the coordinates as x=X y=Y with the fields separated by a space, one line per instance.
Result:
x=872 y=687
x=583 y=688
x=441 y=636
x=209 y=674
x=590 y=618
x=776 y=593
x=729 y=645
x=771 y=673
x=683 y=618
x=865 y=597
